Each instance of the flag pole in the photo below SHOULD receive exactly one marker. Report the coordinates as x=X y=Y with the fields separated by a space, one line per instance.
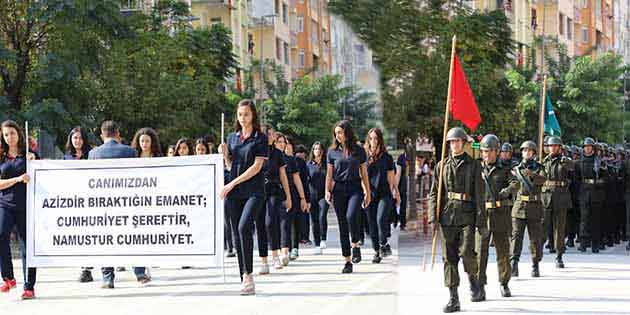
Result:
x=222 y=128
x=541 y=121
x=436 y=223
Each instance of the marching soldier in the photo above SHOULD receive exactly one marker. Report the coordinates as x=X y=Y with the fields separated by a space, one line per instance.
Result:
x=620 y=209
x=462 y=209
x=573 y=215
x=527 y=211
x=498 y=200
x=556 y=197
x=626 y=178
x=505 y=156
x=590 y=173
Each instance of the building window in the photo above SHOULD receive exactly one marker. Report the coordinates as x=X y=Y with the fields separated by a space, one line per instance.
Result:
x=360 y=53
x=215 y=20
x=278 y=49
x=314 y=32
x=302 y=57
x=534 y=23
x=300 y=23
x=561 y=23
x=314 y=5
x=585 y=34
x=277 y=7
x=286 y=53
x=569 y=28
x=285 y=14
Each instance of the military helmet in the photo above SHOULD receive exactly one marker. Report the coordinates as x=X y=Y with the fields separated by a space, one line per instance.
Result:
x=489 y=142
x=566 y=148
x=554 y=141
x=588 y=141
x=529 y=145
x=506 y=147
x=456 y=133
x=546 y=140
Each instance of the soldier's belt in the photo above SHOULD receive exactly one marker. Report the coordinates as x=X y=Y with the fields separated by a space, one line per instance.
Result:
x=528 y=198
x=556 y=183
x=458 y=196
x=592 y=181
x=498 y=204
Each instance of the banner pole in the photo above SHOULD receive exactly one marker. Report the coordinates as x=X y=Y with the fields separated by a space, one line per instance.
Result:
x=436 y=222
x=541 y=121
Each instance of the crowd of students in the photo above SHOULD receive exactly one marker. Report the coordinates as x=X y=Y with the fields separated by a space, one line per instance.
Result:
x=275 y=189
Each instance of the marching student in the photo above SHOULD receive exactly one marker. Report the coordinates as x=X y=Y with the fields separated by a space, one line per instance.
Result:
x=384 y=190
x=146 y=143
x=78 y=148
x=13 y=180
x=276 y=190
x=201 y=147
x=348 y=188
x=298 y=192
x=317 y=187
x=245 y=153
x=304 y=216
x=183 y=147
x=170 y=151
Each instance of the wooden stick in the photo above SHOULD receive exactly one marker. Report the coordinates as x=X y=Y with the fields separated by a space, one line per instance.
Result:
x=222 y=127
x=436 y=222
x=541 y=122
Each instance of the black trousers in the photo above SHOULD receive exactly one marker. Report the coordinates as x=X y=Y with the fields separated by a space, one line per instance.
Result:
x=9 y=218
x=242 y=213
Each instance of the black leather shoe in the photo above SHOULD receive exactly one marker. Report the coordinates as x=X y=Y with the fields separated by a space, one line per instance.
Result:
x=582 y=248
x=535 y=271
x=86 y=276
x=356 y=255
x=515 y=268
x=453 y=303
x=559 y=263
x=505 y=291
x=377 y=259
x=387 y=250
x=347 y=268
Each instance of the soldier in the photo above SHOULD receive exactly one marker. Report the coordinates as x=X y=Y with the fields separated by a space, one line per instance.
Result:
x=620 y=210
x=505 y=156
x=498 y=201
x=462 y=209
x=610 y=192
x=527 y=211
x=573 y=215
x=548 y=220
x=589 y=172
x=556 y=197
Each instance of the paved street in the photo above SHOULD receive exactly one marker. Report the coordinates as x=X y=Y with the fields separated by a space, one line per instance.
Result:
x=314 y=285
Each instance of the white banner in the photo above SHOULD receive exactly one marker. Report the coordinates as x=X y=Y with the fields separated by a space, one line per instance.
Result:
x=125 y=212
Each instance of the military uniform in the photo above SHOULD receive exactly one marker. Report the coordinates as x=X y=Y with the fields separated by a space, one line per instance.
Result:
x=498 y=201
x=591 y=175
x=626 y=179
x=556 y=197
x=461 y=211
x=573 y=214
x=527 y=211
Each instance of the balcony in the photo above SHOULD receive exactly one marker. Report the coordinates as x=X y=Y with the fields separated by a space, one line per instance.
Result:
x=128 y=6
x=294 y=40
x=227 y=3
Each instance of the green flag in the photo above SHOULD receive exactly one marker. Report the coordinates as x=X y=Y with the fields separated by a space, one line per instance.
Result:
x=552 y=127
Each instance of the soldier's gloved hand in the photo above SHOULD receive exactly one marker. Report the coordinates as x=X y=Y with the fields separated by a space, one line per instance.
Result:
x=504 y=193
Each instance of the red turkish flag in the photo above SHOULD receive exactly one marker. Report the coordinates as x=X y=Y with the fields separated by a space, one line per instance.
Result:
x=463 y=106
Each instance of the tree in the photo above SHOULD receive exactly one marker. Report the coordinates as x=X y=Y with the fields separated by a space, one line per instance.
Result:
x=411 y=44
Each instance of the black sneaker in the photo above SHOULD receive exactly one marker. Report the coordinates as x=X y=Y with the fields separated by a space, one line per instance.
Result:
x=347 y=268
x=377 y=259
x=121 y=269
x=570 y=243
x=86 y=276
x=230 y=253
x=387 y=250
x=356 y=255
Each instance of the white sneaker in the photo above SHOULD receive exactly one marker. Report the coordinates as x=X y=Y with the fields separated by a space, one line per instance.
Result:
x=264 y=269
x=322 y=245
x=285 y=260
x=318 y=251
x=248 y=288
x=276 y=263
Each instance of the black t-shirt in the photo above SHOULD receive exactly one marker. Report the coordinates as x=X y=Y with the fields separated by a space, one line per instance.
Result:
x=271 y=169
x=291 y=168
x=303 y=170
x=317 y=183
x=377 y=172
x=346 y=168
x=244 y=153
x=13 y=197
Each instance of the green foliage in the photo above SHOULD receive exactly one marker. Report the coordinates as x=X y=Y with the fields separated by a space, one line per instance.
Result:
x=84 y=61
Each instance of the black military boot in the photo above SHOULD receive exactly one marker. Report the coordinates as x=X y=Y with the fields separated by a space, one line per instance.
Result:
x=453 y=302
x=582 y=247
x=515 y=268
x=535 y=270
x=475 y=290
x=570 y=243
x=505 y=291
x=628 y=246
x=559 y=262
